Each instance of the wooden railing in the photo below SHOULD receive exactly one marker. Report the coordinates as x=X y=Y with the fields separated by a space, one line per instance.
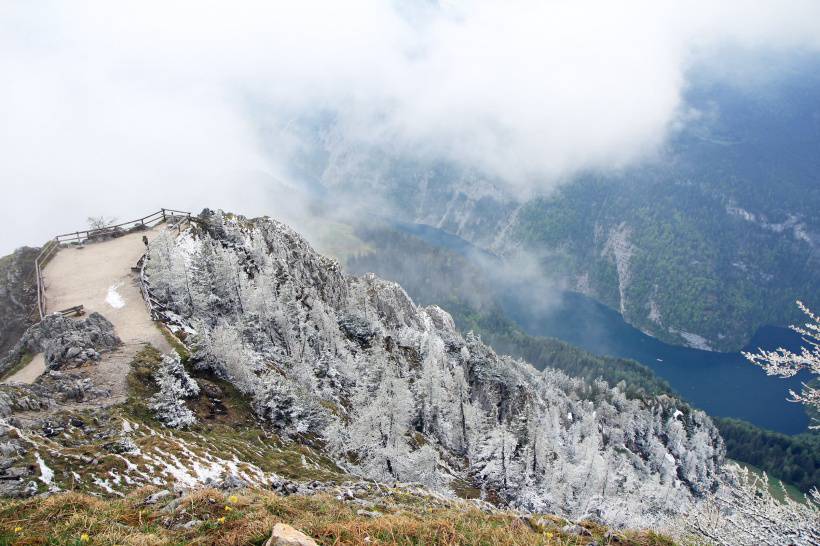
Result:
x=146 y=221
x=154 y=307
x=47 y=252
x=80 y=237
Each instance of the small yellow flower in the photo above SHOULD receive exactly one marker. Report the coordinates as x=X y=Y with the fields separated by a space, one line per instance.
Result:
x=85 y=538
x=221 y=520
x=18 y=529
x=228 y=508
x=549 y=536
x=233 y=499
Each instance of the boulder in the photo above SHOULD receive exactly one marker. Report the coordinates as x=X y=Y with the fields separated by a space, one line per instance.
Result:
x=156 y=497
x=285 y=535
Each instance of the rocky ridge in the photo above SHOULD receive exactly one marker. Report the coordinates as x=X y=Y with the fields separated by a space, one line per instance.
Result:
x=394 y=392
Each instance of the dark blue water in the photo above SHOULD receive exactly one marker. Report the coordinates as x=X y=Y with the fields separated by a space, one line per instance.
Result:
x=723 y=384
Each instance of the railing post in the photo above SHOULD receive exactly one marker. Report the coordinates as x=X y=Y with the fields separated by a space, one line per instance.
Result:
x=163 y=215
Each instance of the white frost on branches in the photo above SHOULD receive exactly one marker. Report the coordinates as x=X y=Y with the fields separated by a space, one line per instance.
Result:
x=743 y=512
x=175 y=385
x=784 y=363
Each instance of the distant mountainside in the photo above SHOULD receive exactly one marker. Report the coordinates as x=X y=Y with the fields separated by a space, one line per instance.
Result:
x=699 y=246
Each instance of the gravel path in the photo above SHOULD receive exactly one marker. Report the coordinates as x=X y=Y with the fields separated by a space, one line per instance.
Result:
x=30 y=372
x=99 y=277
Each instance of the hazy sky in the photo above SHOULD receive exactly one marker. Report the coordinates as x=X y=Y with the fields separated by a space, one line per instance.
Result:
x=119 y=108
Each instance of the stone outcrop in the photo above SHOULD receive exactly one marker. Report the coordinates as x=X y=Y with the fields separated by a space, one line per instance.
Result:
x=65 y=342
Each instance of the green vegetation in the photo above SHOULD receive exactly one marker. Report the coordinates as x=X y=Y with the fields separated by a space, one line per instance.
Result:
x=795 y=459
x=395 y=517
x=702 y=268
x=178 y=346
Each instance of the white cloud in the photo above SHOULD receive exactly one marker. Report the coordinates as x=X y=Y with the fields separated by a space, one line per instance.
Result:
x=118 y=108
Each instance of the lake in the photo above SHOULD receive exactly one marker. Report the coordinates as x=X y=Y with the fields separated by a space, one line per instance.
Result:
x=723 y=384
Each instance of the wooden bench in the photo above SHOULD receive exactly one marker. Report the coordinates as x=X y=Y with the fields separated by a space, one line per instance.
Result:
x=75 y=311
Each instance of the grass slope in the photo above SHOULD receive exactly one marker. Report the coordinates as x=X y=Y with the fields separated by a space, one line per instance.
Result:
x=208 y=516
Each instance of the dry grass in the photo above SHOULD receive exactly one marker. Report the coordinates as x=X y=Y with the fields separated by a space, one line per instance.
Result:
x=247 y=517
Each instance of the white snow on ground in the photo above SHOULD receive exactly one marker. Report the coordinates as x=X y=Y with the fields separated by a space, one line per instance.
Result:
x=113 y=297
x=105 y=485
x=46 y=474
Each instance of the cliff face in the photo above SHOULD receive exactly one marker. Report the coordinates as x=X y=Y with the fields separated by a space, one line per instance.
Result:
x=394 y=392
x=18 y=295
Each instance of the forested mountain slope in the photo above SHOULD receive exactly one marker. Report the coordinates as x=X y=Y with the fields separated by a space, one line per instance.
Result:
x=397 y=392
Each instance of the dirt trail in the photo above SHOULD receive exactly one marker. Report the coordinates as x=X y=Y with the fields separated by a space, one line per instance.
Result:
x=99 y=277
x=30 y=372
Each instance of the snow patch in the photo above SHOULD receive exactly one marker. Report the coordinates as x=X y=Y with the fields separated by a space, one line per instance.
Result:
x=113 y=297
x=46 y=474
x=105 y=485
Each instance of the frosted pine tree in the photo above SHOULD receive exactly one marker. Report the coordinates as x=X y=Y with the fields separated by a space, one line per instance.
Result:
x=743 y=512
x=175 y=385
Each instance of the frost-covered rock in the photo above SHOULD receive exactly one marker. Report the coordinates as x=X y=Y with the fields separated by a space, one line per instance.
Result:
x=65 y=341
x=397 y=393
x=175 y=385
